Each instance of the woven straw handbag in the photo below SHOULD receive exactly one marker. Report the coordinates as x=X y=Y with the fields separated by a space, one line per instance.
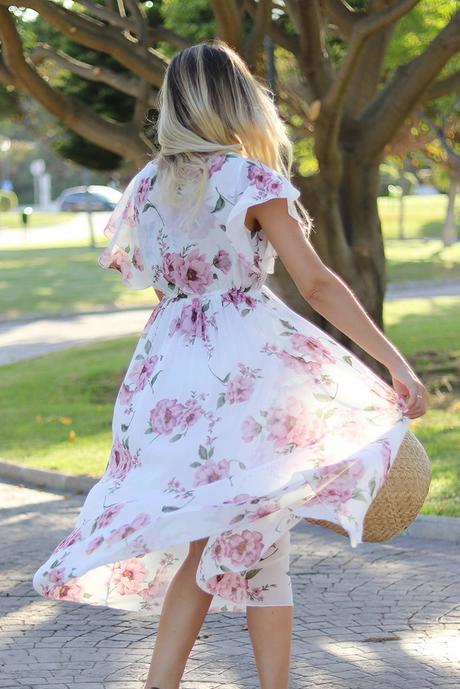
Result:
x=400 y=498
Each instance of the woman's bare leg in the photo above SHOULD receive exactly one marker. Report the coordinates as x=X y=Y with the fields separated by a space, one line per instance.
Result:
x=184 y=609
x=270 y=630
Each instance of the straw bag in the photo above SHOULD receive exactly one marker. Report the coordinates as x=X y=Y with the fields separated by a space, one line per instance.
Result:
x=400 y=498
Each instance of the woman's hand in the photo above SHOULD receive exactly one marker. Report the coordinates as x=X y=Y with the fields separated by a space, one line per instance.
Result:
x=407 y=384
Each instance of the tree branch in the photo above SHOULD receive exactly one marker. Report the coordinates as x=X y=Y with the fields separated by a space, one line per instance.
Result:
x=262 y=20
x=129 y=86
x=443 y=87
x=441 y=135
x=366 y=26
x=111 y=135
x=112 y=18
x=408 y=86
x=86 y=31
x=313 y=53
x=228 y=20
x=6 y=76
x=344 y=16
x=288 y=41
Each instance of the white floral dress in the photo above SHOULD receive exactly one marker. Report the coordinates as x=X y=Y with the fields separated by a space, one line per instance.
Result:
x=237 y=417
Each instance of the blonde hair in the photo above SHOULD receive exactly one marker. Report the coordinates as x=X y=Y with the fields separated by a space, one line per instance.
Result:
x=210 y=102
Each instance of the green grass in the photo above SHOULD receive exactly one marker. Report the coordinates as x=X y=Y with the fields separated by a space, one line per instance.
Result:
x=415 y=259
x=50 y=397
x=13 y=221
x=40 y=281
x=428 y=332
x=74 y=390
x=423 y=216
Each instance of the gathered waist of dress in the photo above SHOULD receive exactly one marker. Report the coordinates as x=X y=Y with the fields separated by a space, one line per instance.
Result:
x=236 y=293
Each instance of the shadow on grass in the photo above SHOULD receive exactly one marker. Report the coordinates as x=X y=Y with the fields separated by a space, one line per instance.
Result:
x=60 y=280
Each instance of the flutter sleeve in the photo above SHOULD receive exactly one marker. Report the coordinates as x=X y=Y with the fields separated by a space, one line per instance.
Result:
x=124 y=252
x=258 y=183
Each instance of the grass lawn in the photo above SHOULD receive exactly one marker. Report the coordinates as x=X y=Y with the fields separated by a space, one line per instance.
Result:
x=39 y=281
x=428 y=332
x=57 y=409
x=416 y=259
x=423 y=215
x=13 y=221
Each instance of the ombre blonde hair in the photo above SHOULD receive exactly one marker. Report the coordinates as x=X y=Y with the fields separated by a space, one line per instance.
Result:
x=210 y=102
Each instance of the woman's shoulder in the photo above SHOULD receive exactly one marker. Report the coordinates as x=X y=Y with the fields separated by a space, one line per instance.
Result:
x=240 y=170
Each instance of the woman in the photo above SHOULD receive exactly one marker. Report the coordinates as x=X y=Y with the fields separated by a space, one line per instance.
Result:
x=237 y=417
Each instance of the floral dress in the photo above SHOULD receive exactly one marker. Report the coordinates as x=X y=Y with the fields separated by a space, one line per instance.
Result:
x=237 y=417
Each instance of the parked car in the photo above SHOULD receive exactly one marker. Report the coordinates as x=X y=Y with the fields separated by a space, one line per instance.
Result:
x=95 y=197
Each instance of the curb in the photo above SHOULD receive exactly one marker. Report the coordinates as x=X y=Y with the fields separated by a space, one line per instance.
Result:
x=43 y=478
x=424 y=525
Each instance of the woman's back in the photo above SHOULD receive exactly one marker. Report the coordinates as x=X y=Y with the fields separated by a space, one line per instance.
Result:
x=153 y=244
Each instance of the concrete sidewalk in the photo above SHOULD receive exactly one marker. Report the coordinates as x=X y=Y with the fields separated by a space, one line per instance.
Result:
x=376 y=617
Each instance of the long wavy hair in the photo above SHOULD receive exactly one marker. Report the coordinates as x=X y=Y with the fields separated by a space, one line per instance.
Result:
x=210 y=102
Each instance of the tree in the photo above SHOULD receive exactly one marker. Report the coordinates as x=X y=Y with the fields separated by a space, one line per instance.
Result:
x=341 y=96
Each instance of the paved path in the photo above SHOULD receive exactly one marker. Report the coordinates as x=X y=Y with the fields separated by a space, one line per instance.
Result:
x=378 y=617
x=23 y=339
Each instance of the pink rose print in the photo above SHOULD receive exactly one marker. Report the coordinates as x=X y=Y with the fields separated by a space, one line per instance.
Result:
x=143 y=192
x=218 y=549
x=273 y=186
x=250 y=428
x=191 y=322
x=118 y=259
x=337 y=482
x=125 y=395
x=211 y=471
x=166 y=416
x=263 y=510
x=239 y=389
x=129 y=576
x=94 y=544
x=194 y=274
x=56 y=575
x=238 y=499
x=259 y=177
x=107 y=517
x=293 y=425
x=137 y=260
x=312 y=347
x=222 y=261
x=73 y=537
x=126 y=530
x=121 y=460
x=192 y=411
x=69 y=591
x=216 y=163
x=245 y=548
x=172 y=263
x=299 y=364
x=236 y=295
x=386 y=456
x=231 y=586
x=141 y=372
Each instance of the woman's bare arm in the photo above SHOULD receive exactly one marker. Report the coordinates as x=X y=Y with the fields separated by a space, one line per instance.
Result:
x=326 y=292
